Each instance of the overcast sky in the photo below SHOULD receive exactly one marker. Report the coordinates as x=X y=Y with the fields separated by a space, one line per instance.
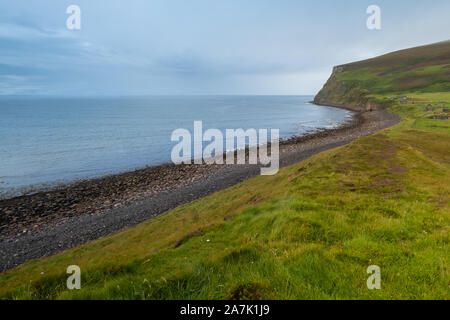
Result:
x=142 y=47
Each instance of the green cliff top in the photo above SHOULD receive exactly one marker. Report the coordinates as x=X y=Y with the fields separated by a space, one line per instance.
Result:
x=424 y=69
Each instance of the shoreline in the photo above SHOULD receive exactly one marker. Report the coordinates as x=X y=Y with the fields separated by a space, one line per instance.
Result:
x=22 y=191
x=49 y=222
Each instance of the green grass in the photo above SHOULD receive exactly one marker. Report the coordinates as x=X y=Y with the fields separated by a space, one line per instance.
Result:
x=432 y=125
x=309 y=232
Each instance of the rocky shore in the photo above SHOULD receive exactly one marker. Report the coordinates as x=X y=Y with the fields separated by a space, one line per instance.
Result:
x=46 y=223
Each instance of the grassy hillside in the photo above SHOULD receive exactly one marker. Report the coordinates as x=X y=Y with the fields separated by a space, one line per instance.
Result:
x=423 y=69
x=309 y=232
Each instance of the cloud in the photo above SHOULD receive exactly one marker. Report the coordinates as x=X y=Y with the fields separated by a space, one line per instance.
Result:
x=11 y=84
x=199 y=47
x=47 y=61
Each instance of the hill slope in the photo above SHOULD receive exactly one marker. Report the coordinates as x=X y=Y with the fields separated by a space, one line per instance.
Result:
x=423 y=69
x=309 y=232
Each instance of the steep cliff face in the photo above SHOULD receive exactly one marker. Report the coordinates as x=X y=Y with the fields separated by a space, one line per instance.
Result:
x=359 y=84
x=341 y=93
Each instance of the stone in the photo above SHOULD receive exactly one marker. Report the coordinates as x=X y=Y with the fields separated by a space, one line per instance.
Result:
x=429 y=108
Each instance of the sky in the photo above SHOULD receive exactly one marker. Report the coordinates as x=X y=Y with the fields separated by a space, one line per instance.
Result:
x=180 y=47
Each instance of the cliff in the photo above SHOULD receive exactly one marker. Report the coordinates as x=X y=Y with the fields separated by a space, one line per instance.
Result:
x=359 y=84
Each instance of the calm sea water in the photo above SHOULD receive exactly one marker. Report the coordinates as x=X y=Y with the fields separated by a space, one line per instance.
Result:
x=53 y=140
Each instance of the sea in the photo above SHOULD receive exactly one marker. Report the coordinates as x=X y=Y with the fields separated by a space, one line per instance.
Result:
x=46 y=141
